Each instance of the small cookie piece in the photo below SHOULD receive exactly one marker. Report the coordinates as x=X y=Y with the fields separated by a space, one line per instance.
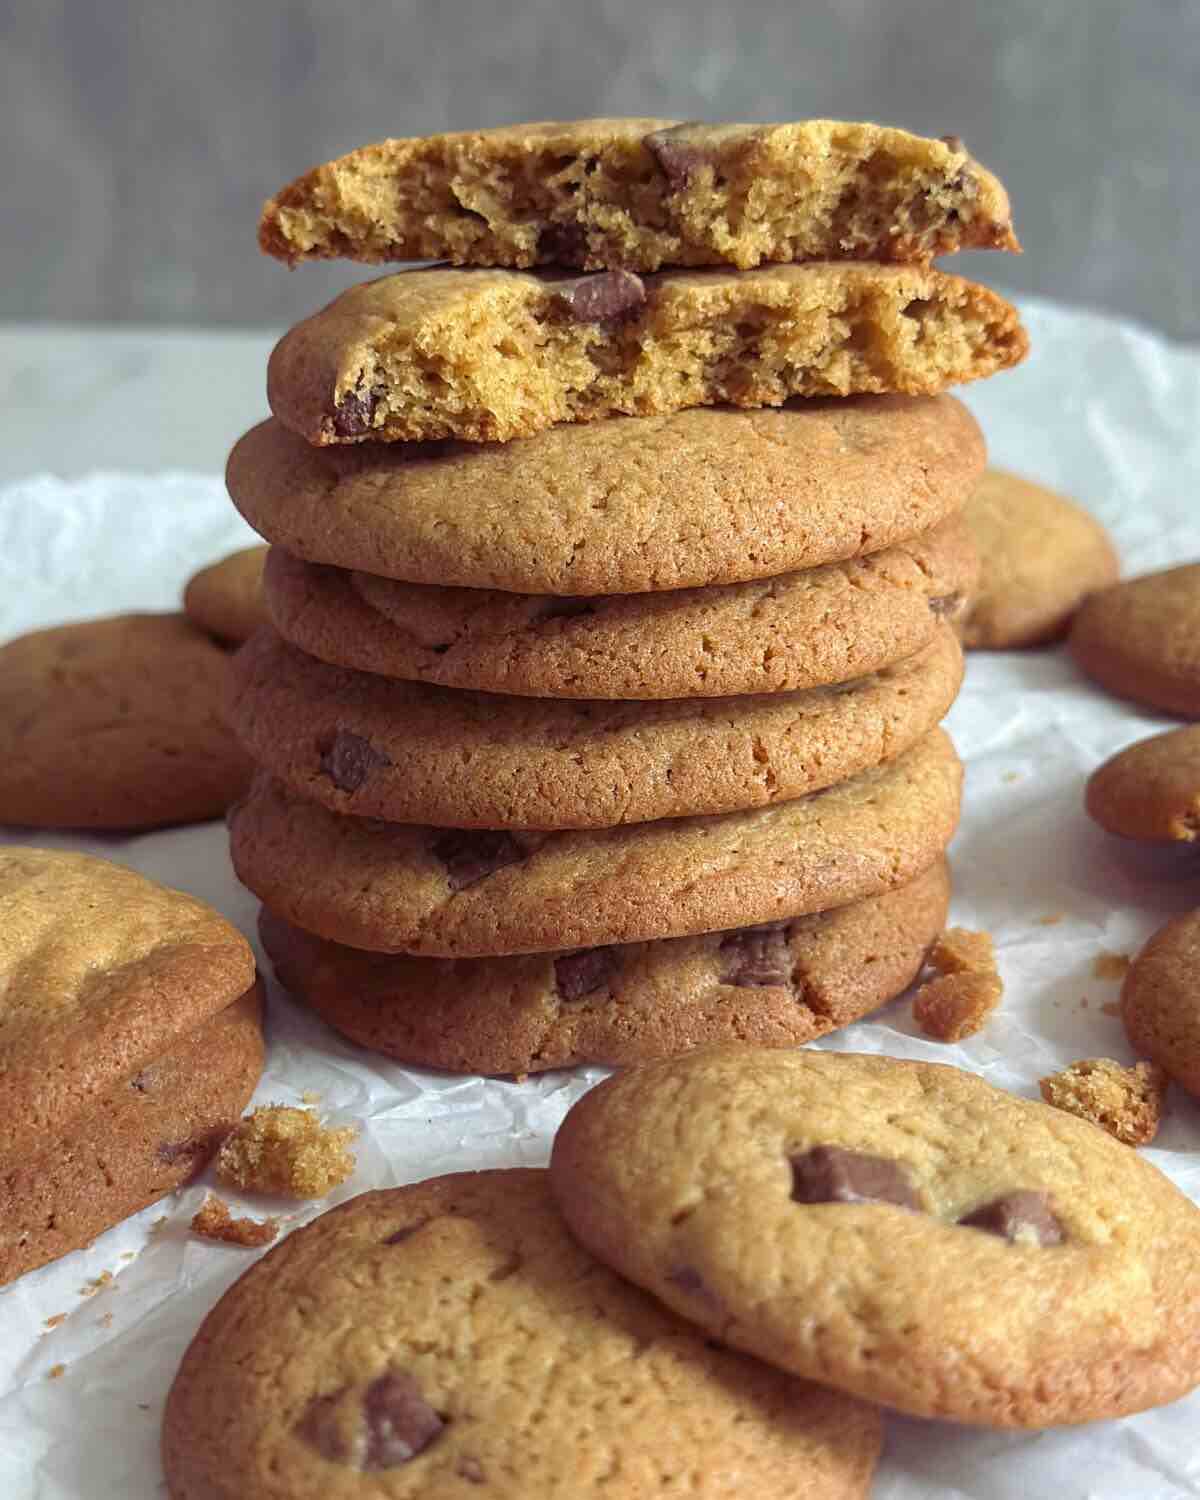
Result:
x=116 y=723
x=640 y=194
x=278 y=1149
x=450 y=1338
x=967 y=987
x=1041 y=556
x=226 y=597
x=899 y=1230
x=1127 y=1102
x=778 y=985
x=1151 y=789
x=213 y=1221
x=402 y=888
x=487 y=356
x=800 y=630
x=1160 y=1000
x=706 y=496
x=1141 y=640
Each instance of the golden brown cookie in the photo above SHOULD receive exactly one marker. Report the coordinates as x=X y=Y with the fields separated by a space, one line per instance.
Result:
x=116 y=723
x=1041 y=556
x=450 y=1339
x=1151 y=789
x=401 y=888
x=799 y=630
x=620 y=507
x=1141 y=640
x=226 y=597
x=902 y=1231
x=487 y=356
x=641 y=194
x=778 y=985
x=1160 y=1000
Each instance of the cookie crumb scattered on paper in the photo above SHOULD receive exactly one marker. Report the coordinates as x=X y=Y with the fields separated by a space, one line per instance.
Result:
x=97 y=1284
x=1111 y=965
x=214 y=1221
x=278 y=1149
x=56 y=1320
x=967 y=987
x=1127 y=1102
x=56 y=1372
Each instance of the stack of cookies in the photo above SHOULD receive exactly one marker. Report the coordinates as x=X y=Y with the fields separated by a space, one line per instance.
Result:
x=613 y=606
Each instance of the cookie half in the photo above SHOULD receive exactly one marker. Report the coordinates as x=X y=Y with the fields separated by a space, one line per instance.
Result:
x=799 y=630
x=1141 y=640
x=641 y=194
x=778 y=985
x=456 y=1339
x=401 y=888
x=1151 y=789
x=225 y=598
x=486 y=356
x=620 y=507
x=1160 y=1000
x=901 y=1230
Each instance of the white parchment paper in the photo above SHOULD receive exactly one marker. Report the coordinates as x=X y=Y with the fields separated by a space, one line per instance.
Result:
x=1104 y=411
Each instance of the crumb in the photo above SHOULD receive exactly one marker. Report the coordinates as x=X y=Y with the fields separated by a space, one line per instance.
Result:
x=214 y=1221
x=159 y=1225
x=310 y=1096
x=56 y=1320
x=105 y=1321
x=1111 y=965
x=282 y=1150
x=1113 y=1008
x=1054 y=918
x=105 y=1279
x=56 y=1372
x=966 y=987
x=1127 y=1102
x=1012 y=776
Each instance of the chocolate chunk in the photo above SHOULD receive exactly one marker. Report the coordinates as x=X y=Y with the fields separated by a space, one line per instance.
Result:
x=347 y=759
x=562 y=245
x=472 y=855
x=352 y=416
x=757 y=956
x=1023 y=1217
x=678 y=160
x=689 y=1280
x=601 y=298
x=955 y=142
x=945 y=604
x=579 y=974
x=470 y=1469
x=828 y=1174
x=400 y=1422
x=319 y=1426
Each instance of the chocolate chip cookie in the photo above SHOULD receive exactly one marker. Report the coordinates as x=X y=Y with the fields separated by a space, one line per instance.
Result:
x=1151 y=789
x=486 y=356
x=640 y=194
x=1160 y=1000
x=1141 y=640
x=800 y=630
x=619 y=507
x=780 y=985
x=455 y=1340
x=226 y=597
x=899 y=1230
x=402 y=888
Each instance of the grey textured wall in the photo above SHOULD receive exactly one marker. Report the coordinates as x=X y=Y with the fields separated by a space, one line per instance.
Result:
x=140 y=136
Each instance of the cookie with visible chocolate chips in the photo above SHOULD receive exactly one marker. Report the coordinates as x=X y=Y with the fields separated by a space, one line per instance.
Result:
x=778 y=985
x=1151 y=789
x=899 y=1230
x=486 y=356
x=226 y=597
x=640 y=194
x=1160 y=1000
x=1141 y=639
x=799 y=630
x=456 y=1340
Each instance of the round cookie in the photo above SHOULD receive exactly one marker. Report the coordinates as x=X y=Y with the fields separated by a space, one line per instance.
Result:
x=1151 y=789
x=799 y=630
x=116 y=723
x=226 y=597
x=1041 y=555
x=412 y=753
x=627 y=506
x=454 y=1341
x=899 y=1230
x=779 y=985
x=1141 y=640
x=400 y=888
x=1160 y=1000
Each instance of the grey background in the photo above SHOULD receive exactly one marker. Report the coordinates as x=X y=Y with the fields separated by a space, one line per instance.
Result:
x=139 y=137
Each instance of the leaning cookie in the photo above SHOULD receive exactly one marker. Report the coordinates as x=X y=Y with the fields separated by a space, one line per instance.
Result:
x=900 y=1230
x=1151 y=789
x=226 y=597
x=1160 y=1000
x=1141 y=640
x=450 y=1339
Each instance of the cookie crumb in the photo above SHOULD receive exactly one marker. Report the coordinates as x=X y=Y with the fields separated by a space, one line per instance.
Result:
x=97 y=1284
x=56 y=1372
x=278 y=1149
x=214 y=1221
x=1127 y=1102
x=105 y=1321
x=966 y=987
x=1052 y=920
x=310 y=1096
x=1111 y=965
x=56 y=1320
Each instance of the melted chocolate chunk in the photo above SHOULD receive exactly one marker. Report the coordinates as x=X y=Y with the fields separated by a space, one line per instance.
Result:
x=678 y=160
x=945 y=604
x=348 y=759
x=828 y=1174
x=352 y=416
x=580 y=974
x=1023 y=1217
x=757 y=956
x=472 y=855
x=562 y=244
x=399 y=1421
x=601 y=298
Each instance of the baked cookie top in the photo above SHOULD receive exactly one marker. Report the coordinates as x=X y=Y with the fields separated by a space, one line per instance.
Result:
x=101 y=971
x=901 y=1230
x=1141 y=639
x=1151 y=789
x=486 y=356
x=640 y=194
x=402 y=888
x=619 y=507
x=1160 y=1000
x=226 y=597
